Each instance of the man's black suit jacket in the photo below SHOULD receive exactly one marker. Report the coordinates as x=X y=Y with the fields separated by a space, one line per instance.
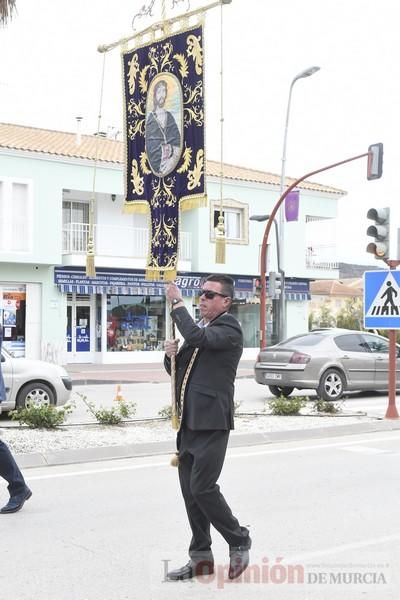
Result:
x=208 y=397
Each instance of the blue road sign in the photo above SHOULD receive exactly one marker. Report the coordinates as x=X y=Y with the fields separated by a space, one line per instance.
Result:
x=382 y=299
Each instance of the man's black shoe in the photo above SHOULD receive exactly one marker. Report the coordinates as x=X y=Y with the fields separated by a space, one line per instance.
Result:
x=15 y=503
x=192 y=569
x=238 y=559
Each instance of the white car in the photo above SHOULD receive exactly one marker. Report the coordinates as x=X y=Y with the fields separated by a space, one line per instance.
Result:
x=33 y=381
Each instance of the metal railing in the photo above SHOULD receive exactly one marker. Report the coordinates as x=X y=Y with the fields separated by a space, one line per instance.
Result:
x=320 y=257
x=112 y=240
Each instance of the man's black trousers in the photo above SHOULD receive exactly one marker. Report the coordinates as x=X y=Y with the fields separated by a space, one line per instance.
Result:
x=201 y=457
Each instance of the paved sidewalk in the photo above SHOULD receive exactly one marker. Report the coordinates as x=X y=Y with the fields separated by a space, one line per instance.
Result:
x=91 y=374
x=162 y=448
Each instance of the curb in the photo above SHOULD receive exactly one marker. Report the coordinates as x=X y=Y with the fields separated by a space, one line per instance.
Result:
x=125 y=381
x=104 y=453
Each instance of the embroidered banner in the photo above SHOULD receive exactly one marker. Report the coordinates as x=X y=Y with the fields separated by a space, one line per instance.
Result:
x=164 y=136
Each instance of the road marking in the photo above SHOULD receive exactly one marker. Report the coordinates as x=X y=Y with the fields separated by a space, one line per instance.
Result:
x=95 y=471
x=231 y=455
x=365 y=450
x=311 y=447
x=344 y=548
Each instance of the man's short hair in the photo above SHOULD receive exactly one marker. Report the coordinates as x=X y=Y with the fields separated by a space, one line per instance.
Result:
x=226 y=281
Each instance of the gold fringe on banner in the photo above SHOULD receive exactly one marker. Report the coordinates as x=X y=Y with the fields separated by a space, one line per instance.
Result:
x=170 y=275
x=152 y=275
x=90 y=266
x=160 y=275
x=140 y=208
x=191 y=202
x=220 y=241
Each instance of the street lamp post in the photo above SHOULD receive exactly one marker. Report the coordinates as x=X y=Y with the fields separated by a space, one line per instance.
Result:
x=282 y=312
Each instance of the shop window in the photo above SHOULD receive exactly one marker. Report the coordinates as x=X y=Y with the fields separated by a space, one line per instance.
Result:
x=12 y=317
x=135 y=323
x=236 y=216
x=15 y=216
x=248 y=316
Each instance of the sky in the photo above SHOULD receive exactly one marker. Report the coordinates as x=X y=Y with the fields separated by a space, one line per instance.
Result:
x=50 y=72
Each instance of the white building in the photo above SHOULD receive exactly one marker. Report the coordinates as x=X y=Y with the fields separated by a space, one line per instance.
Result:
x=51 y=310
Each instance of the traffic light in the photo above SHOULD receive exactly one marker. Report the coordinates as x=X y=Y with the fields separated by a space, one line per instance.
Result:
x=274 y=284
x=375 y=161
x=380 y=231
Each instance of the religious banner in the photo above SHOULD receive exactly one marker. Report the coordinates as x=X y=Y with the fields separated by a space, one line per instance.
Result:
x=292 y=206
x=164 y=136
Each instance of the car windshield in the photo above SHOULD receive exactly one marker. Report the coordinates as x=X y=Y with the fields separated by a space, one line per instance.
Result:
x=308 y=339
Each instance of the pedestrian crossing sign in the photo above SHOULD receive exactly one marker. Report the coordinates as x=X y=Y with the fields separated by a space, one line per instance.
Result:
x=382 y=299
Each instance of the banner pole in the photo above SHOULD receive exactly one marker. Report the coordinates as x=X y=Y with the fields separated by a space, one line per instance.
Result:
x=160 y=25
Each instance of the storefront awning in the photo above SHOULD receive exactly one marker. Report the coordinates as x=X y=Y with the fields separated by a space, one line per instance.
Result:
x=130 y=283
x=297 y=296
x=126 y=282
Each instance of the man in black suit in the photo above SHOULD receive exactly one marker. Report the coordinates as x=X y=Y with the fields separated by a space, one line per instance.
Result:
x=205 y=373
x=9 y=470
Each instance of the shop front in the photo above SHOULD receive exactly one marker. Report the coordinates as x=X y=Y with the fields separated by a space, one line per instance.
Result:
x=120 y=317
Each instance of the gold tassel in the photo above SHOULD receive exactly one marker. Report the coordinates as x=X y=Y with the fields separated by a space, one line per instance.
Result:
x=175 y=460
x=90 y=266
x=220 y=241
x=175 y=422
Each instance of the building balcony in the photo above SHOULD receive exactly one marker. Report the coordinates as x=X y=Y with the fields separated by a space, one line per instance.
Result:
x=321 y=257
x=114 y=242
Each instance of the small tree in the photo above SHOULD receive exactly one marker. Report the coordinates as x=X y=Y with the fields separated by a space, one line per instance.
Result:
x=325 y=317
x=351 y=315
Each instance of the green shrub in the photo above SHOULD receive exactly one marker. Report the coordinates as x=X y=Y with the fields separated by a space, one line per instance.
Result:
x=287 y=406
x=114 y=415
x=110 y=416
x=41 y=417
x=324 y=406
x=165 y=411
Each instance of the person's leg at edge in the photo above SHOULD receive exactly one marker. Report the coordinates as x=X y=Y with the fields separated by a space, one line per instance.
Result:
x=10 y=471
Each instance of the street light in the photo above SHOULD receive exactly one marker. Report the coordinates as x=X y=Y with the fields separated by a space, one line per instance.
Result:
x=260 y=219
x=282 y=312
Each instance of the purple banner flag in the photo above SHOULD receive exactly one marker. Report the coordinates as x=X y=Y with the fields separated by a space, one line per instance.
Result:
x=164 y=126
x=292 y=206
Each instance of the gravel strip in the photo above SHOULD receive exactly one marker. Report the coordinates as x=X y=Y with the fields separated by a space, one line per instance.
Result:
x=24 y=440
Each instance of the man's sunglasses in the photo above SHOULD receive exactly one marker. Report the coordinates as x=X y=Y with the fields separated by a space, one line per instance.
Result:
x=210 y=295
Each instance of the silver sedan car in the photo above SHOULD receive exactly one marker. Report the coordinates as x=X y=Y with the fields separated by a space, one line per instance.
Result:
x=330 y=361
x=33 y=381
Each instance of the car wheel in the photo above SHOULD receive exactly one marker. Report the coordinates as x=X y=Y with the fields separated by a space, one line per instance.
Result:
x=280 y=391
x=36 y=394
x=331 y=385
